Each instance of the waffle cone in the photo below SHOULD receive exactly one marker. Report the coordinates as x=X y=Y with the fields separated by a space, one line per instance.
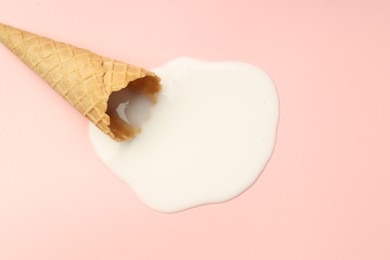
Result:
x=83 y=78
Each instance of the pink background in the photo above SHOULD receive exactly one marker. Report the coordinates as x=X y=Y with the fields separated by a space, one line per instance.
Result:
x=325 y=193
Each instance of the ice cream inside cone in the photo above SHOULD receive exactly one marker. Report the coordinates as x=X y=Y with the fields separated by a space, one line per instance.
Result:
x=128 y=108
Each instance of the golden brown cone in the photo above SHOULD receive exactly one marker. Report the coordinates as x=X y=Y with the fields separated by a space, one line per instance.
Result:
x=85 y=79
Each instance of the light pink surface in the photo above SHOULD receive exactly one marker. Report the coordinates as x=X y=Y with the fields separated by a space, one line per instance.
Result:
x=324 y=195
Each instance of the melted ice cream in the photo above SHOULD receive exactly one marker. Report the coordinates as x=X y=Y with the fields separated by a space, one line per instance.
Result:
x=208 y=138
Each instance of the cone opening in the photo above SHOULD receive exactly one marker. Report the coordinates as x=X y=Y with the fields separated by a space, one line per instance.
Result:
x=128 y=107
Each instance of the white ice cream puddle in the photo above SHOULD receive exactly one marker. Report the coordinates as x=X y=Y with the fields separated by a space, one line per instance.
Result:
x=208 y=138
